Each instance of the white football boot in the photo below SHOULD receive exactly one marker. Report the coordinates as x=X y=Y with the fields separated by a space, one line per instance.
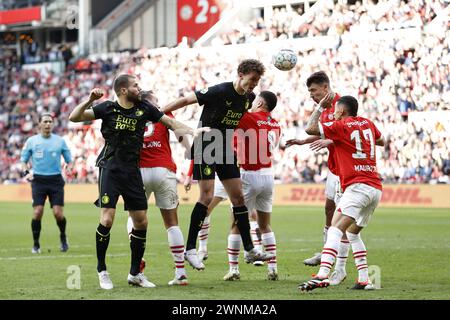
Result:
x=140 y=280
x=105 y=280
x=192 y=257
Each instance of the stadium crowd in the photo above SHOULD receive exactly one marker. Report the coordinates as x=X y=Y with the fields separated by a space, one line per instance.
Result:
x=330 y=18
x=399 y=83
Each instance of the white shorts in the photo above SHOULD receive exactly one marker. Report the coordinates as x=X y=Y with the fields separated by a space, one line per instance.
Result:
x=163 y=183
x=257 y=187
x=332 y=186
x=359 y=202
x=219 y=189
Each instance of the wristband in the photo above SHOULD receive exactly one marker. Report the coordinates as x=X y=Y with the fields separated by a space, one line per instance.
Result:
x=320 y=109
x=24 y=173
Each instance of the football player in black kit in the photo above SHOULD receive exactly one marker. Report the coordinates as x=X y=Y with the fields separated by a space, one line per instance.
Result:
x=223 y=106
x=123 y=126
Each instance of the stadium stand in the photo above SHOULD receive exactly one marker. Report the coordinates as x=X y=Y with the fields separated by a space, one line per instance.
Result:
x=400 y=73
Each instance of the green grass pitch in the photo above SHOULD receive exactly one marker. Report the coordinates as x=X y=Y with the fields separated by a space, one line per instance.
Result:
x=410 y=246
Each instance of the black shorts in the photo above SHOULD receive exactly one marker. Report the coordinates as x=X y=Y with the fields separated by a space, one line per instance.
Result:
x=51 y=186
x=113 y=183
x=205 y=171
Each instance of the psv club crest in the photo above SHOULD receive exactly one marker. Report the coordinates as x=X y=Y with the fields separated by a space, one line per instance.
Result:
x=149 y=129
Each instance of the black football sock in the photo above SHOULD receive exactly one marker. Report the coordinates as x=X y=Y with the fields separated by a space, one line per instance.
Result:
x=36 y=230
x=138 y=238
x=198 y=215
x=243 y=224
x=62 y=228
x=102 y=242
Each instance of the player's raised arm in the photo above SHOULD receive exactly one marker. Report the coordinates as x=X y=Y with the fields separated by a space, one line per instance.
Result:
x=180 y=103
x=80 y=113
x=180 y=128
x=312 y=127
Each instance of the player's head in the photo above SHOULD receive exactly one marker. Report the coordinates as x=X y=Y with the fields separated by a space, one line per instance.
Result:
x=266 y=100
x=126 y=85
x=250 y=72
x=46 y=123
x=318 y=85
x=346 y=106
x=150 y=96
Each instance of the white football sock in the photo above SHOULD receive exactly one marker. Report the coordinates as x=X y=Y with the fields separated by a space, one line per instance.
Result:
x=270 y=245
x=234 y=245
x=360 y=256
x=254 y=235
x=330 y=251
x=341 y=259
x=325 y=232
x=203 y=235
x=176 y=244
x=129 y=226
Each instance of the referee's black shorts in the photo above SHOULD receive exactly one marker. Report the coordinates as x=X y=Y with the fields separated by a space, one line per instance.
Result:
x=47 y=186
x=128 y=183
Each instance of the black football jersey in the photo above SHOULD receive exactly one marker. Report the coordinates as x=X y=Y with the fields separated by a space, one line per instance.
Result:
x=123 y=131
x=223 y=107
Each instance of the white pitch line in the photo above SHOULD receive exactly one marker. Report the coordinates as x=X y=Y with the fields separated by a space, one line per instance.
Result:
x=62 y=256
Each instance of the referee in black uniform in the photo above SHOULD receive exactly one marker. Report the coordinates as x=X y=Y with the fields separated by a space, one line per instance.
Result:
x=123 y=126
x=223 y=106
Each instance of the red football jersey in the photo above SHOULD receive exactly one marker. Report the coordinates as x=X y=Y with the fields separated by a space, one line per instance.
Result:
x=354 y=140
x=256 y=136
x=327 y=116
x=156 y=150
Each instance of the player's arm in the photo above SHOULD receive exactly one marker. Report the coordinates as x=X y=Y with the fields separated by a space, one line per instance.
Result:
x=25 y=157
x=300 y=142
x=180 y=128
x=180 y=103
x=188 y=181
x=81 y=111
x=320 y=144
x=312 y=128
x=380 y=142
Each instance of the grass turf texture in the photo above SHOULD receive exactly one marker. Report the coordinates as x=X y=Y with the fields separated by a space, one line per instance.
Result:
x=409 y=245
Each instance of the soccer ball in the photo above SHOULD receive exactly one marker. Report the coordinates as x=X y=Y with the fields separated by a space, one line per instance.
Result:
x=285 y=59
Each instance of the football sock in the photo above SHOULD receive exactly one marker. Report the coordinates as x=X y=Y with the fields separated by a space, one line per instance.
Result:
x=62 y=228
x=197 y=217
x=360 y=256
x=137 y=245
x=234 y=245
x=341 y=258
x=253 y=232
x=329 y=251
x=270 y=245
x=325 y=232
x=36 y=230
x=102 y=242
x=130 y=226
x=243 y=224
x=203 y=235
x=176 y=244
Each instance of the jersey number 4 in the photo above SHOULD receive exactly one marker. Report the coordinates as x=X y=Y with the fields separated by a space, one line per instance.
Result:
x=367 y=134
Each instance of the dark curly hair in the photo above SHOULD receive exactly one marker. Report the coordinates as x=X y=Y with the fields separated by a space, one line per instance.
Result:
x=249 y=65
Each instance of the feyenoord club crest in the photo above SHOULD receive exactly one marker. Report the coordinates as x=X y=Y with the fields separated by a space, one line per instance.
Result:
x=207 y=171
x=105 y=199
x=330 y=116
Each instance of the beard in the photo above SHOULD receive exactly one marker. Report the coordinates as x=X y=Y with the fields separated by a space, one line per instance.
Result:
x=133 y=97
